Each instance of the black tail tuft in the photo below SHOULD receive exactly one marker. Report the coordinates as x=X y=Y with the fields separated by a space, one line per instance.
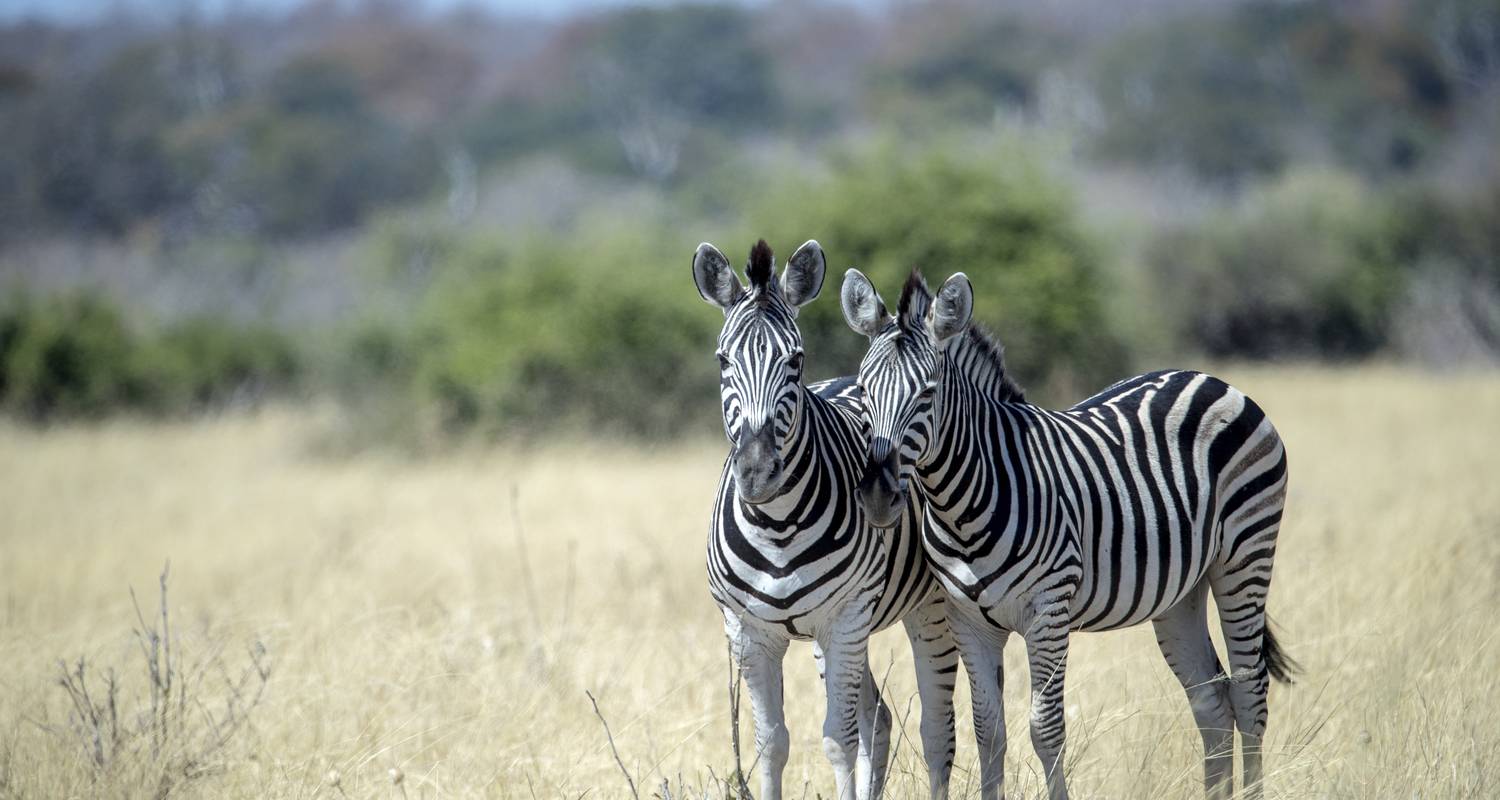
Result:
x=1278 y=663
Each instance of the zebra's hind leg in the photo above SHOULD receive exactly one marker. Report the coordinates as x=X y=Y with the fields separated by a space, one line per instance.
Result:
x=982 y=648
x=1182 y=635
x=1253 y=656
x=874 y=739
x=760 y=656
x=936 y=657
x=1240 y=583
x=1047 y=660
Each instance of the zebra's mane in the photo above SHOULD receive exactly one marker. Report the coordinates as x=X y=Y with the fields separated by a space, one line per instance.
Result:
x=980 y=357
x=916 y=298
x=761 y=267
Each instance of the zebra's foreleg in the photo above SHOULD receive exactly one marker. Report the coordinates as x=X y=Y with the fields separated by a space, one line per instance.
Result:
x=874 y=739
x=1047 y=660
x=1182 y=634
x=844 y=664
x=936 y=658
x=759 y=656
x=982 y=648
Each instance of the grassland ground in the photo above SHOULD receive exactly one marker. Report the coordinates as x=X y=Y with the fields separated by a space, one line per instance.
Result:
x=446 y=615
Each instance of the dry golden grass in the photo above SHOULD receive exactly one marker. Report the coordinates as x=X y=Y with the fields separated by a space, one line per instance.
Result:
x=406 y=629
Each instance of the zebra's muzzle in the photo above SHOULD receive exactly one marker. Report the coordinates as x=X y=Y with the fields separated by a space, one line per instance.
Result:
x=757 y=464
x=882 y=490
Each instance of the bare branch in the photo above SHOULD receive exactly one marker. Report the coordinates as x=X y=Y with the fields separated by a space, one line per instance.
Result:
x=612 y=749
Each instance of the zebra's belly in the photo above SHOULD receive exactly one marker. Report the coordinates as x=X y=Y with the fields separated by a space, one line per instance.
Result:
x=992 y=589
x=1113 y=588
x=1142 y=579
x=998 y=610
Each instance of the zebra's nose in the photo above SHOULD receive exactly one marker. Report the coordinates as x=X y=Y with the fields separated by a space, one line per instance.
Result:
x=881 y=491
x=757 y=463
x=756 y=442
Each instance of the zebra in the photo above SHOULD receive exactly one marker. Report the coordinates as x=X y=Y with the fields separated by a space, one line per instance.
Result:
x=1130 y=506
x=790 y=555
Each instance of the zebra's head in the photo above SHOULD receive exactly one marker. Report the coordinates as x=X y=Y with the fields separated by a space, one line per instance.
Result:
x=900 y=376
x=760 y=356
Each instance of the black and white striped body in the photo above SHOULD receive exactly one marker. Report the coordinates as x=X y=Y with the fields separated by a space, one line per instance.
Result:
x=794 y=563
x=790 y=553
x=1124 y=509
x=1127 y=499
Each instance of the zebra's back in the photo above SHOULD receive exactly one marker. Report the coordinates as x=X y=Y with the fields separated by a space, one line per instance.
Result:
x=1165 y=476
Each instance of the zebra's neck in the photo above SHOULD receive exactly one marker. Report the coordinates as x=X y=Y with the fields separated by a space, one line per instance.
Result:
x=980 y=476
x=811 y=454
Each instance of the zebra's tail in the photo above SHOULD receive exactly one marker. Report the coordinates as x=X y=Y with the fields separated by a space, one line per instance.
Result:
x=1278 y=663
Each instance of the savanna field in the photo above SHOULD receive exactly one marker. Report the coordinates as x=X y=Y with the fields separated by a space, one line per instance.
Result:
x=338 y=617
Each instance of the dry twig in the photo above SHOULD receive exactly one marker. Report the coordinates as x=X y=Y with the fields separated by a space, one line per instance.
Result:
x=611 y=738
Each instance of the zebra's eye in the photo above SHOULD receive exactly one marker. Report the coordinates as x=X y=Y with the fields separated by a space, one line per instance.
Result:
x=794 y=362
x=724 y=365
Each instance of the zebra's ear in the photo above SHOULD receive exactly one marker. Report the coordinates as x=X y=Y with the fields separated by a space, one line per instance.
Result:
x=802 y=279
x=952 y=308
x=863 y=309
x=715 y=278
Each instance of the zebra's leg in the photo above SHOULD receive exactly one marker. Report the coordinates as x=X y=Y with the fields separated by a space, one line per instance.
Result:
x=1182 y=634
x=1047 y=660
x=1240 y=594
x=844 y=663
x=936 y=659
x=874 y=739
x=982 y=648
x=760 y=655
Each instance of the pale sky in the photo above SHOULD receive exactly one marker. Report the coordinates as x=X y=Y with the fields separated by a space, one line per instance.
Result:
x=84 y=9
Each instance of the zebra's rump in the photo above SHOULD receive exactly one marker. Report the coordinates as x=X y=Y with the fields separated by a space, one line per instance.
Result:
x=1189 y=472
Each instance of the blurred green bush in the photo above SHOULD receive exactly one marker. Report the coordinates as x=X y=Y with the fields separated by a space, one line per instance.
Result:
x=1302 y=267
x=600 y=328
x=594 y=331
x=74 y=356
x=987 y=211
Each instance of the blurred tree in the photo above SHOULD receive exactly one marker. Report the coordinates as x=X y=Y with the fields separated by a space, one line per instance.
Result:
x=1191 y=92
x=414 y=76
x=637 y=84
x=963 y=62
x=1466 y=34
x=92 y=153
x=305 y=155
x=1232 y=94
